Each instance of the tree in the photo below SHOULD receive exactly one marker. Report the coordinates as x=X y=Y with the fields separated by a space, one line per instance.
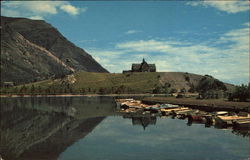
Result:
x=23 y=89
x=183 y=90
x=207 y=83
x=187 y=77
x=65 y=90
x=15 y=90
x=82 y=90
x=32 y=89
x=39 y=89
x=71 y=90
x=173 y=90
x=156 y=90
x=120 y=89
x=47 y=91
x=192 y=88
x=89 y=90
x=242 y=93
x=101 y=90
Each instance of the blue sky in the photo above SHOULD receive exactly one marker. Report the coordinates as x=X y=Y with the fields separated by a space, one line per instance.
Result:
x=202 y=37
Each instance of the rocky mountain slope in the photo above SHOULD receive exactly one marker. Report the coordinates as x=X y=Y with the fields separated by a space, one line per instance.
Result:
x=34 y=50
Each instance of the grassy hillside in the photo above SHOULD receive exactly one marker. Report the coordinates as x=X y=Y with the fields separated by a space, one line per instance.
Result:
x=103 y=83
x=136 y=82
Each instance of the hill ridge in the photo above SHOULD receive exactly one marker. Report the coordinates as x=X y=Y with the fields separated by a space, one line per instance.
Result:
x=132 y=83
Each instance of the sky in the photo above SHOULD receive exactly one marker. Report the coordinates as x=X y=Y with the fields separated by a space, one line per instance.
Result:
x=201 y=37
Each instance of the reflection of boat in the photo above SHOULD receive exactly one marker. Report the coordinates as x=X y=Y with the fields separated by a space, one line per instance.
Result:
x=242 y=124
x=196 y=118
x=230 y=120
x=220 y=119
x=241 y=131
x=209 y=120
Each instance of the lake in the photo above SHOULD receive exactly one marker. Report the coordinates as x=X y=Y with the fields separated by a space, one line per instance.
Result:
x=89 y=128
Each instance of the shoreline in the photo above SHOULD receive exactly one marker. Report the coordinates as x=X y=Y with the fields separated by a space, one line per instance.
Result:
x=204 y=104
x=82 y=95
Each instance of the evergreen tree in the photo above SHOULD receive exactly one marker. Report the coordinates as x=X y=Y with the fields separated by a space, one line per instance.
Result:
x=32 y=89
x=242 y=93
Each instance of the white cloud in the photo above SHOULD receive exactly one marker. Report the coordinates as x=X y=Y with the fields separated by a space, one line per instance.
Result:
x=111 y=59
x=131 y=32
x=36 y=17
x=34 y=6
x=10 y=13
x=247 y=24
x=226 y=6
x=72 y=10
x=226 y=58
x=38 y=9
x=142 y=46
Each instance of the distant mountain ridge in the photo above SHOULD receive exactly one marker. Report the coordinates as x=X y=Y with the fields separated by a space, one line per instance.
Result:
x=33 y=50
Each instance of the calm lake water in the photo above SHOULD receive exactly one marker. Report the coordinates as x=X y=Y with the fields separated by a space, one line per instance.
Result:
x=89 y=128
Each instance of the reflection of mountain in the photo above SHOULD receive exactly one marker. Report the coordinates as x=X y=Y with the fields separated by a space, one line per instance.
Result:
x=64 y=137
x=42 y=128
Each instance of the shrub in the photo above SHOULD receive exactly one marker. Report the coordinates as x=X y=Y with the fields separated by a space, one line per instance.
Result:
x=183 y=90
x=157 y=90
x=101 y=90
x=207 y=83
x=192 y=88
x=173 y=90
x=242 y=93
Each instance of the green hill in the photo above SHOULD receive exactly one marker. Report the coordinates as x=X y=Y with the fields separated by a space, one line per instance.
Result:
x=105 y=83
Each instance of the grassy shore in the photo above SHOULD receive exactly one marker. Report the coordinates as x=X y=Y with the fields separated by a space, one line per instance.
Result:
x=87 y=95
x=204 y=104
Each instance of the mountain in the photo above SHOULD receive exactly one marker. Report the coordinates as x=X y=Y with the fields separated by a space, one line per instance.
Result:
x=23 y=61
x=34 y=50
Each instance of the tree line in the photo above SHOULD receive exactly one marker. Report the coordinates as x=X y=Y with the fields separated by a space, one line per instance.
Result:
x=241 y=93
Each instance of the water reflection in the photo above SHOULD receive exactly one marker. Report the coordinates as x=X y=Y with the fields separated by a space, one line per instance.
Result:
x=144 y=121
x=47 y=128
x=148 y=119
x=42 y=128
x=116 y=138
